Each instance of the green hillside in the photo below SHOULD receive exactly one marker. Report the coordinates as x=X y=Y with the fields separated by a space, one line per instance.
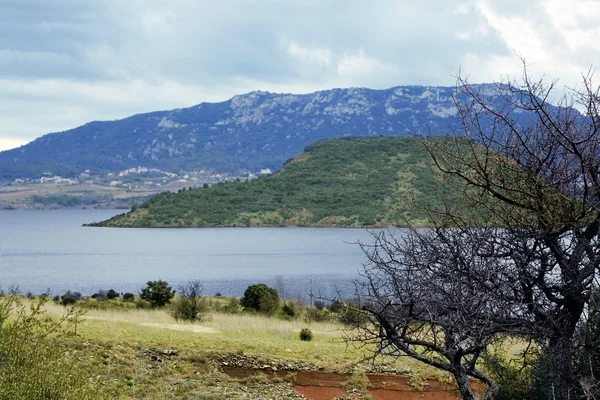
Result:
x=354 y=182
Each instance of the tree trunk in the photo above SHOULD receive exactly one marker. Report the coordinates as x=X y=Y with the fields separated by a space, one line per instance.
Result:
x=561 y=385
x=463 y=386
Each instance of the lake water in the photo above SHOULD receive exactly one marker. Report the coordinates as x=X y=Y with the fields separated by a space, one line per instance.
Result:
x=42 y=250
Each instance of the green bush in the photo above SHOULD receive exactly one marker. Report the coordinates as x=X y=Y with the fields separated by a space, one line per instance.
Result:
x=288 y=311
x=36 y=363
x=313 y=314
x=112 y=294
x=233 y=307
x=158 y=293
x=129 y=297
x=261 y=298
x=306 y=335
x=512 y=374
x=143 y=304
x=105 y=304
x=68 y=301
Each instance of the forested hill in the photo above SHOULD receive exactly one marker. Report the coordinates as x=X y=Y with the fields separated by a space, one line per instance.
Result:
x=353 y=182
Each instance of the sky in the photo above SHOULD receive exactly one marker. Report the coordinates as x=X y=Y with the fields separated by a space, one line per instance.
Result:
x=67 y=62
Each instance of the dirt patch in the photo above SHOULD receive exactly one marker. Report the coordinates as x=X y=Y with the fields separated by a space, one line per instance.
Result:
x=181 y=327
x=321 y=385
x=175 y=327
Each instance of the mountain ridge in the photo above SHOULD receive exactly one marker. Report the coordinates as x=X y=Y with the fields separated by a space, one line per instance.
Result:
x=245 y=133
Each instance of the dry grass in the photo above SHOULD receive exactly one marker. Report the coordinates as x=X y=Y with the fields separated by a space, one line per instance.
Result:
x=128 y=331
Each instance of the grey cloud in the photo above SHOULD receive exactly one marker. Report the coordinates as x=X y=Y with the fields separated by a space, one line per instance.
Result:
x=219 y=48
x=202 y=41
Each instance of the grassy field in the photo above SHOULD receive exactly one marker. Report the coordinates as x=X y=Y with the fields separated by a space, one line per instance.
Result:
x=147 y=354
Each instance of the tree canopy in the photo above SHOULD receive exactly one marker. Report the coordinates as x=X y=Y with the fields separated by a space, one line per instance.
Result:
x=158 y=293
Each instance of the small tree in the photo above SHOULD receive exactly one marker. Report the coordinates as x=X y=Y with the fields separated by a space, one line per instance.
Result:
x=261 y=298
x=190 y=305
x=129 y=297
x=158 y=293
x=112 y=294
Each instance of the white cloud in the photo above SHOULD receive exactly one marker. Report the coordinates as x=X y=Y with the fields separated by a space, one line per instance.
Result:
x=357 y=64
x=318 y=56
x=7 y=143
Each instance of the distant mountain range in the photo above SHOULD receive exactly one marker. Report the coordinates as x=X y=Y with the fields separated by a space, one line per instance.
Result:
x=246 y=133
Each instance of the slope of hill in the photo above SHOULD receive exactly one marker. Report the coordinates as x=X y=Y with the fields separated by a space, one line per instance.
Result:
x=246 y=133
x=353 y=182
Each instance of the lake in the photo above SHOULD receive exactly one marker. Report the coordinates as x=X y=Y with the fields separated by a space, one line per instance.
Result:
x=49 y=249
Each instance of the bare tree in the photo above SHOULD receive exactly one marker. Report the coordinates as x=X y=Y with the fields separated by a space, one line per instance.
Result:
x=191 y=305
x=525 y=262
x=280 y=286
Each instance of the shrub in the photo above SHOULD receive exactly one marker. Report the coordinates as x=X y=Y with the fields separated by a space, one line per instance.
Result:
x=233 y=307
x=315 y=315
x=100 y=295
x=36 y=363
x=288 y=310
x=261 y=298
x=357 y=381
x=158 y=293
x=68 y=301
x=190 y=305
x=306 y=335
x=112 y=294
x=105 y=304
x=353 y=314
x=143 y=304
x=75 y=295
x=319 y=304
x=513 y=374
x=336 y=306
x=129 y=297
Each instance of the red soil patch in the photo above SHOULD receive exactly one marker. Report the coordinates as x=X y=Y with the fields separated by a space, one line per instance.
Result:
x=321 y=392
x=382 y=394
x=316 y=385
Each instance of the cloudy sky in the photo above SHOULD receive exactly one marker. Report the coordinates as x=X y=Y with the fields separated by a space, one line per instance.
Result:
x=66 y=62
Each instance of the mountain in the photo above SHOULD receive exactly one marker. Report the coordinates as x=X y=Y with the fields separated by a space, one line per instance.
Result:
x=246 y=133
x=353 y=182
